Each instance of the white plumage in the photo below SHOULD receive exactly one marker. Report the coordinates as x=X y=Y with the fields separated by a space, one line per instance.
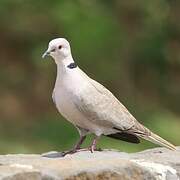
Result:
x=89 y=105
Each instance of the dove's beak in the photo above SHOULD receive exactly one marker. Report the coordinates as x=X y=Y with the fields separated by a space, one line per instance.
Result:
x=47 y=53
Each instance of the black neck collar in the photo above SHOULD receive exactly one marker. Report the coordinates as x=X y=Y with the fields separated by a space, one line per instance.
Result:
x=72 y=65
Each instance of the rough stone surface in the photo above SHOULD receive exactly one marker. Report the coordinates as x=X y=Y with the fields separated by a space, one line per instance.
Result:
x=155 y=164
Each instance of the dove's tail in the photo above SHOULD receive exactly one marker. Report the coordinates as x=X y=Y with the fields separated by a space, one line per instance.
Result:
x=154 y=138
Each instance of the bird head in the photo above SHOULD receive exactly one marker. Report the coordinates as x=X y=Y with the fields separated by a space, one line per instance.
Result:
x=58 y=49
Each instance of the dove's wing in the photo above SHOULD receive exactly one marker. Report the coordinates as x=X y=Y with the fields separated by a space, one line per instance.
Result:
x=100 y=106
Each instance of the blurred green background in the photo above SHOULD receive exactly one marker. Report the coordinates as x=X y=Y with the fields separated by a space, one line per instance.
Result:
x=131 y=47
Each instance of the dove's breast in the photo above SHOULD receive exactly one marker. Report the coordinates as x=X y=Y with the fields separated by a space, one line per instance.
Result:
x=63 y=101
x=64 y=93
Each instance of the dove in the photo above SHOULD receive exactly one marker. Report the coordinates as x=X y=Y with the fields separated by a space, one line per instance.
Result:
x=89 y=106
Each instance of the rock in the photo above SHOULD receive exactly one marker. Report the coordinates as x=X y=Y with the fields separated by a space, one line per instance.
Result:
x=155 y=164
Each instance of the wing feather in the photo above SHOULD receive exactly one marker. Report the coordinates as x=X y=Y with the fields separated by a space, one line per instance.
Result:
x=100 y=106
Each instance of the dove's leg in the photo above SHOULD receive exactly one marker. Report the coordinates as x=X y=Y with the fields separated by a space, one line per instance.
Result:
x=92 y=147
x=76 y=148
x=82 y=133
x=78 y=144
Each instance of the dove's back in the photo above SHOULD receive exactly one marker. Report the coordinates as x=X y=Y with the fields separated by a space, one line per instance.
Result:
x=89 y=105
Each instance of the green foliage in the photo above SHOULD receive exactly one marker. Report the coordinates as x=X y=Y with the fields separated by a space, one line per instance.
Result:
x=132 y=47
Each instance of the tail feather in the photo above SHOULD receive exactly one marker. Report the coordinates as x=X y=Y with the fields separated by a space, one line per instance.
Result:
x=125 y=137
x=154 y=138
x=145 y=133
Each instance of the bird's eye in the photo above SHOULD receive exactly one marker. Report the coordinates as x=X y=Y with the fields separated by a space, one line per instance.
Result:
x=60 y=47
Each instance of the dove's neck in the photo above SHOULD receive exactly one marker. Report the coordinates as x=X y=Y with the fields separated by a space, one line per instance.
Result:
x=62 y=64
x=64 y=67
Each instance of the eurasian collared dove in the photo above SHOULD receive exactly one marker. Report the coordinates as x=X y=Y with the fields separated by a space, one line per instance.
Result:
x=89 y=106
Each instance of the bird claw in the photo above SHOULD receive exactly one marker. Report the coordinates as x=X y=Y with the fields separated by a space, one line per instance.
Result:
x=81 y=149
x=73 y=151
